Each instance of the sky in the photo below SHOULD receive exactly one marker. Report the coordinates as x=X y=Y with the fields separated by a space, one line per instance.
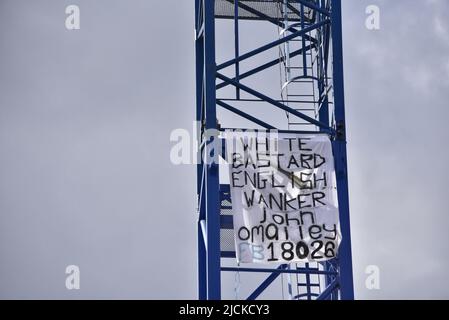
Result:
x=85 y=123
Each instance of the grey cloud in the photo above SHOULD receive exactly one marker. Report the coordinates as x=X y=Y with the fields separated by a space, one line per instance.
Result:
x=85 y=119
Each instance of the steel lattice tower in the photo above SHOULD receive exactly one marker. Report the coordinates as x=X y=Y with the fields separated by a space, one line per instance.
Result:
x=310 y=59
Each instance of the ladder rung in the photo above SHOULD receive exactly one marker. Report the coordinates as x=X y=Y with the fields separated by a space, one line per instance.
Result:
x=313 y=269
x=299 y=101
x=302 y=81
x=309 y=285
x=309 y=68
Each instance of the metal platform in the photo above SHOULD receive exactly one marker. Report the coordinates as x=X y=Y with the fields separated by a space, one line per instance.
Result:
x=263 y=9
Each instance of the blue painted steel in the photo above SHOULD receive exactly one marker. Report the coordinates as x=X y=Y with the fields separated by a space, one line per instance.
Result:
x=271 y=45
x=226 y=222
x=338 y=273
x=212 y=196
x=339 y=148
x=268 y=270
x=228 y=254
x=324 y=110
x=199 y=50
x=244 y=115
x=274 y=102
x=303 y=40
x=236 y=46
x=267 y=18
x=312 y=5
x=328 y=291
x=267 y=65
x=269 y=280
x=279 y=131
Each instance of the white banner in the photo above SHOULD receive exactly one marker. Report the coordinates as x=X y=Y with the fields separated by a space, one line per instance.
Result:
x=284 y=198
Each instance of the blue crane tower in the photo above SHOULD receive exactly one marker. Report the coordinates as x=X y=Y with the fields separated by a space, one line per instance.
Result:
x=308 y=58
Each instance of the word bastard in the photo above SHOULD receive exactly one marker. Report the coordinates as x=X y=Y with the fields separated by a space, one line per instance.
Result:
x=284 y=199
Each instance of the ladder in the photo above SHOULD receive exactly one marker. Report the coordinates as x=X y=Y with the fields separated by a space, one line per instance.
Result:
x=304 y=87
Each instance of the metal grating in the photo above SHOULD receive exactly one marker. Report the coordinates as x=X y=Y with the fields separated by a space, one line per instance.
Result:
x=227 y=243
x=273 y=9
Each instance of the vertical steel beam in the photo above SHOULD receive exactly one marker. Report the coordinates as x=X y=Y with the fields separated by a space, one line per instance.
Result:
x=199 y=55
x=324 y=108
x=339 y=147
x=212 y=194
x=236 y=46
x=322 y=63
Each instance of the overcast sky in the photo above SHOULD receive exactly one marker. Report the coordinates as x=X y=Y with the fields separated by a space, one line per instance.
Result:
x=85 y=120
